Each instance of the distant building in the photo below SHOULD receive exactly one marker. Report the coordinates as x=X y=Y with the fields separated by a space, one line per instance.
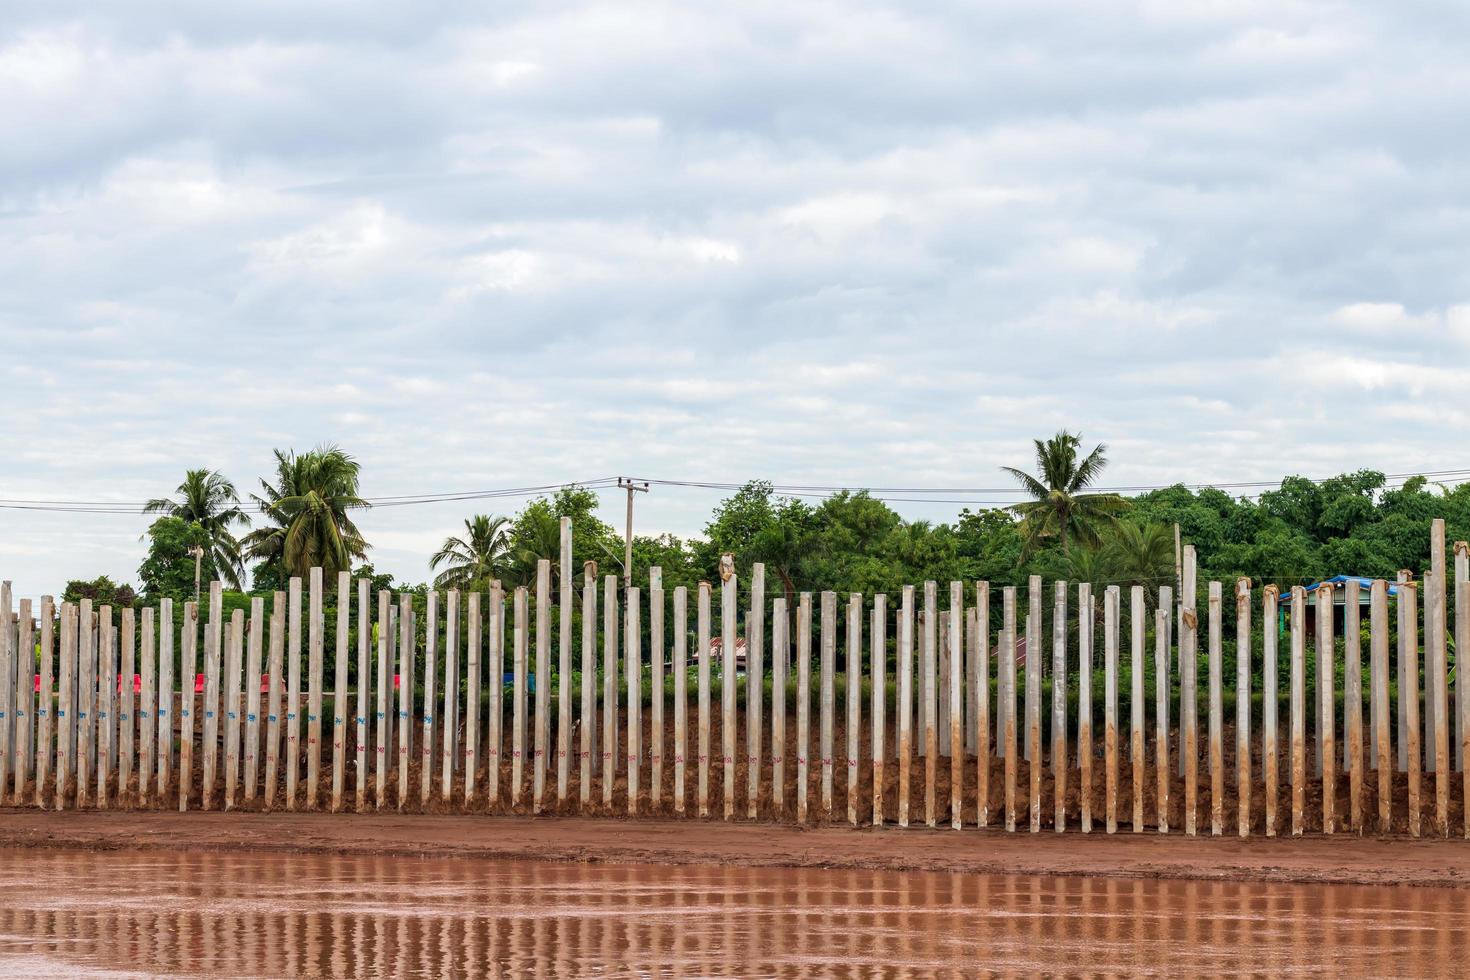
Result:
x=1339 y=602
x=717 y=651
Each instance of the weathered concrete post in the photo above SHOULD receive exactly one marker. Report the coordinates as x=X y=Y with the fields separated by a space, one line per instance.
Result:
x=564 y=572
x=703 y=616
x=339 y=688
x=1438 y=684
x=905 y=701
x=1137 y=766
x=803 y=702
x=1270 y=694
x=729 y=713
x=755 y=687
x=1217 y=746
x=493 y=648
x=66 y=703
x=825 y=695
x=956 y=704
x=1086 y=614
x=657 y=726
x=1327 y=707
x=106 y=693
x=316 y=657
x=426 y=740
x=589 y=678
x=164 y=713
x=1110 y=705
x=1161 y=708
x=541 y=739
x=1409 y=665
x=126 y=705
x=384 y=689
x=9 y=655
x=1243 y=705
x=980 y=621
x=520 y=615
x=450 y=713
x=233 y=657
x=610 y=687
x=406 y=668
x=213 y=641
x=293 y=692
x=1189 y=691
x=364 y=685
x=780 y=658
x=87 y=697
x=878 y=664
x=1462 y=642
x=1353 y=702
x=854 y=696
x=1383 y=754
x=46 y=708
x=190 y=652
x=1298 y=708
x=1035 y=657
x=1059 y=705
x=931 y=699
x=1404 y=576
x=633 y=665
x=1008 y=695
x=681 y=694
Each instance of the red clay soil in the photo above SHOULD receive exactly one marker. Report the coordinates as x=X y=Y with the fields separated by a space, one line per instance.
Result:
x=1339 y=859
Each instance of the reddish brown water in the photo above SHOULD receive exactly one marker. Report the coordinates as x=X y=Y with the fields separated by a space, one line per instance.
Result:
x=130 y=913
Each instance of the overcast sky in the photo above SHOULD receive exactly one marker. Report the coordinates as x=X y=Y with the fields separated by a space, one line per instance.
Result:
x=492 y=245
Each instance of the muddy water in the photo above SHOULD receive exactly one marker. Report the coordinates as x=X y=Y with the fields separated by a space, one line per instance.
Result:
x=66 y=913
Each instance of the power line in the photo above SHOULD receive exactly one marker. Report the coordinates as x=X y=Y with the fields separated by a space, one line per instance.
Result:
x=928 y=495
x=798 y=489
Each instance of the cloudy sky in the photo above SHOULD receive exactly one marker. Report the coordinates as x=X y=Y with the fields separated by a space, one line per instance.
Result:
x=854 y=244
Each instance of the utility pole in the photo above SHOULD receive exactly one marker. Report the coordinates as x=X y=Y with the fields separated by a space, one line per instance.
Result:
x=1178 y=570
x=198 y=553
x=632 y=486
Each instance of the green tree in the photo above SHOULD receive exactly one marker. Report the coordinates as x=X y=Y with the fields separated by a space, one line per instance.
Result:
x=1141 y=554
x=536 y=534
x=309 y=508
x=473 y=559
x=168 y=568
x=103 y=591
x=754 y=527
x=208 y=499
x=1058 y=508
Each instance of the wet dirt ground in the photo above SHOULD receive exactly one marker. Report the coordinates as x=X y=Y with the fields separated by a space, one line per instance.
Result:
x=183 y=912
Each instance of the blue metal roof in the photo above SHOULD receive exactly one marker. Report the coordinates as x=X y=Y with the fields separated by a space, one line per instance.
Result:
x=1337 y=580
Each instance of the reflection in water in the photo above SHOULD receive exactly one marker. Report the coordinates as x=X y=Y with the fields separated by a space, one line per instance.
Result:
x=117 y=913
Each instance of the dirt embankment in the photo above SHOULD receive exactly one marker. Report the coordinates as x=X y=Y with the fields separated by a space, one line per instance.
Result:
x=1337 y=859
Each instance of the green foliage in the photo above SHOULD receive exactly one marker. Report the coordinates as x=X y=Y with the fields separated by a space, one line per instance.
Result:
x=168 y=569
x=308 y=507
x=1058 y=509
x=480 y=555
x=103 y=591
x=209 y=500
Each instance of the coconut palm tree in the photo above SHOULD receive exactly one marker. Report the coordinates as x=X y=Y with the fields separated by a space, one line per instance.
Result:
x=1058 y=508
x=208 y=499
x=309 y=506
x=481 y=554
x=1142 y=554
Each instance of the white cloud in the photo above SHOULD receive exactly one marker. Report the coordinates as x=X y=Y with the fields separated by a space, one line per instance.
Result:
x=826 y=243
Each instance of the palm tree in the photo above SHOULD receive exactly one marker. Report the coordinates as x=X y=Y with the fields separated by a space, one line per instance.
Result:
x=1142 y=554
x=1058 y=507
x=309 y=506
x=208 y=499
x=471 y=561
